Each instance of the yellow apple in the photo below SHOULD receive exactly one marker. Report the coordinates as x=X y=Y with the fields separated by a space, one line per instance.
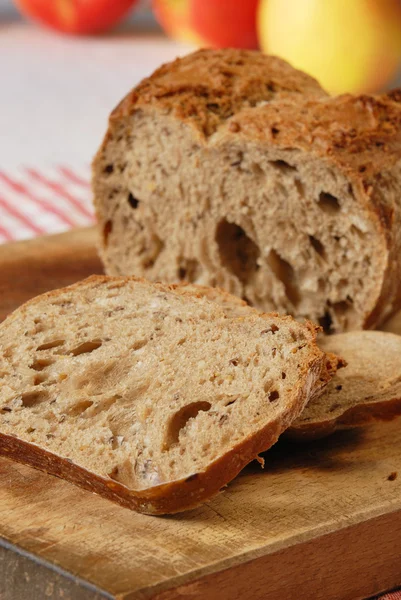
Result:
x=348 y=45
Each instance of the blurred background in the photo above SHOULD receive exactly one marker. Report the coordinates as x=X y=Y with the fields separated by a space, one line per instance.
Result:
x=66 y=63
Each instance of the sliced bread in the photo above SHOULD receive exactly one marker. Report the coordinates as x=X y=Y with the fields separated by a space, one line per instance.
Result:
x=152 y=395
x=229 y=168
x=367 y=389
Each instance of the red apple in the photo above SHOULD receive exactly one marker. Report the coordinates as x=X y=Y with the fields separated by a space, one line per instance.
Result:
x=77 y=16
x=212 y=23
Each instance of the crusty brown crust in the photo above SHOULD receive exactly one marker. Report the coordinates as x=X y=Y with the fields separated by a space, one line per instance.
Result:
x=209 y=86
x=186 y=493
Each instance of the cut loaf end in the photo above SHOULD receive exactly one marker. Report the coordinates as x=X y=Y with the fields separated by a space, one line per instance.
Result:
x=153 y=396
x=284 y=197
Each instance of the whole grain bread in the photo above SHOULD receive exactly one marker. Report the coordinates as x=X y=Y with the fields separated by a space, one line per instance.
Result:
x=230 y=168
x=154 y=396
x=367 y=389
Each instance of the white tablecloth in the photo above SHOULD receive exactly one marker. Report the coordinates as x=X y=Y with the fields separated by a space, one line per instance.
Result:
x=57 y=91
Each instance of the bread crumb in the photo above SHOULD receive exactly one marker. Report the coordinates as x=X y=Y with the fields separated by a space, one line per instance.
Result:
x=261 y=461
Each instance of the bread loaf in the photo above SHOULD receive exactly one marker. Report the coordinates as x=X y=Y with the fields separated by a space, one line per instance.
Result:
x=153 y=396
x=229 y=168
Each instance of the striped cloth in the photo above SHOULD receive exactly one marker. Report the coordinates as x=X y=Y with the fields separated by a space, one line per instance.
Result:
x=35 y=201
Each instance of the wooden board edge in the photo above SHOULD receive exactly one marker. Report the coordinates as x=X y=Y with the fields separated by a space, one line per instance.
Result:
x=330 y=567
x=24 y=575
x=31 y=267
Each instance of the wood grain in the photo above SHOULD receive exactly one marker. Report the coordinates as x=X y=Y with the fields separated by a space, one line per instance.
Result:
x=321 y=521
x=32 y=267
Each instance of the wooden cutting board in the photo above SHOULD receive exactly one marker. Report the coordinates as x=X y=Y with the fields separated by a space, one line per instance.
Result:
x=321 y=521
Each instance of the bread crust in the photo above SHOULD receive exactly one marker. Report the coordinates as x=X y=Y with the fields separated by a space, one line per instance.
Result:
x=207 y=87
x=185 y=493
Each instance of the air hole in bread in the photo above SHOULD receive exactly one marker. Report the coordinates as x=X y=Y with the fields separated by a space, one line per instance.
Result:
x=267 y=385
x=41 y=363
x=153 y=251
x=213 y=107
x=51 y=344
x=328 y=203
x=40 y=378
x=356 y=231
x=108 y=169
x=180 y=420
x=106 y=404
x=139 y=344
x=80 y=408
x=230 y=402
x=189 y=269
x=326 y=322
x=257 y=170
x=285 y=273
x=86 y=347
x=274 y=395
x=30 y=430
x=238 y=160
x=272 y=329
x=238 y=253
x=282 y=166
x=116 y=441
x=283 y=375
x=107 y=229
x=6 y=409
x=317 y=246
x=133 y=202
x=30 y=399
x=300 y=188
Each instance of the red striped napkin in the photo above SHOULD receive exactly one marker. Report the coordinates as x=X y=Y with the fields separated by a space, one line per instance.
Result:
x=37 y=201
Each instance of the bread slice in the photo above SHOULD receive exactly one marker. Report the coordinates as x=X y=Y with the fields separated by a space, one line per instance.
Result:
x=232 y=169
x=367 y=389
x=153 y=396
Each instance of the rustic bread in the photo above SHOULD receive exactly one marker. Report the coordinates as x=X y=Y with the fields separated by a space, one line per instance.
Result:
x=367 y=389
x=151 y=395
x=229 y=168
